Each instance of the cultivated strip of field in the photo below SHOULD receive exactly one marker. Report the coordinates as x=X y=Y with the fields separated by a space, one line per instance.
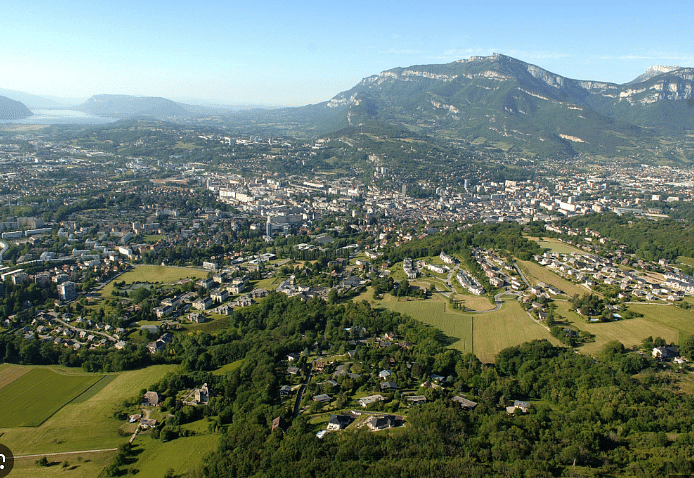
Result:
x=31 y=398
x=88 y=424
x=80 y=465
x=9 y=373
x=228 y=367
x=536 y=273
x=557 y=246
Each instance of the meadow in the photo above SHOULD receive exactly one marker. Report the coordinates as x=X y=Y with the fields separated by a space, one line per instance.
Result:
x=87 y=422
x=154 y=274
x=183 y=455
x=484 y=334
x=228 y=367
x=666 y=321
x=536 y=273
x=33 y=396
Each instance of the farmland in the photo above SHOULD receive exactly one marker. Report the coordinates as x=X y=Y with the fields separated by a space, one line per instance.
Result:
x=87 y=422
x=33 y=396
x=155 y=274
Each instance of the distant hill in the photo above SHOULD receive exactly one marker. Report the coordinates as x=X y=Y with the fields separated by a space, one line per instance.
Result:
x=36 y=101
x=13 y=110
x=124 y=106
x=509 y=104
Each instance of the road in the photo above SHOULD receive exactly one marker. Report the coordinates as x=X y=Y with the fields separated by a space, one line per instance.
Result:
x=297 y=405
x=90 y=332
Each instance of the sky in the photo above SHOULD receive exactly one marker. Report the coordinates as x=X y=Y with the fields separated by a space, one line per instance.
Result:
x=281 y=54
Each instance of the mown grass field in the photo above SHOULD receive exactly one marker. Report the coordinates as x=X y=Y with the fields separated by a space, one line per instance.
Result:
x=184 y=454
x=484 y=334
x=33 y=396
x=557 y=246
x=664 y=321
x=86 y=423
x=507 y=327
x=83 y=465
x=154 y=274
x=536 y=273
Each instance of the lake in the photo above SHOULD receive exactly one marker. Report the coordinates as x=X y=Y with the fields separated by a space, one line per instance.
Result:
x=53 y=116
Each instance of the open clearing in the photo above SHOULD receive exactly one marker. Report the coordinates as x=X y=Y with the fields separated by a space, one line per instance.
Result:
x=664 y=321
x=85 y=424
x=184 y=454
x=155 y=274
x=33 y=396
x=86 y=465
x=483 y=334
x=557 y=246
x=228 y=367
x=536 y=273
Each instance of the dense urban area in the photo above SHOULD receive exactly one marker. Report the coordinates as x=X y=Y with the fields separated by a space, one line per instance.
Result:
x=204 y=303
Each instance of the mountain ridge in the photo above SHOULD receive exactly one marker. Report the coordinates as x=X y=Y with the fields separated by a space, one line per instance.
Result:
x=13 y=110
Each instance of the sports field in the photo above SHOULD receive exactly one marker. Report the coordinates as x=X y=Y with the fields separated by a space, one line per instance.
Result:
x=31 y=396
x=87 y=422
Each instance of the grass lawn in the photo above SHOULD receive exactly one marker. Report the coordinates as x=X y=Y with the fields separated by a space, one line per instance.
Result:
x=219 y=322
x=82 y=465
x=557 y=246
x=228 y=367
x=154 y=274
x=664 y=321
x=184 y=454
x=153 y=238
x=32 y=397
x=536 y=273
x=689 y=261
x=85 y=424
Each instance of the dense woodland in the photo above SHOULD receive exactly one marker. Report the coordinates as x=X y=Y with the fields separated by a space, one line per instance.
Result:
x=611 y=416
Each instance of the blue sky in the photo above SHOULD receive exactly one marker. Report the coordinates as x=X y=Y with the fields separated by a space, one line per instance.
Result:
x=276 y=53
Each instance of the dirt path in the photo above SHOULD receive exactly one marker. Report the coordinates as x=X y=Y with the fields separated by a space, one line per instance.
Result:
x=65 y=453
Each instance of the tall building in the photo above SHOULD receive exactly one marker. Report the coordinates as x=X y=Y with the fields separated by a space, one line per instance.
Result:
x=67 y=291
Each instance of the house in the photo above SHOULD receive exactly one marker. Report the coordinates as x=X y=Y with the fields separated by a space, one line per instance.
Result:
x=280 y=423
x=415 y=399
x=366 y=401
x=384 y=374
x=339 y=422
x=152 y=399
x=202 y=395
x=665 y=352
x=464 y=403
x=381 y=423
x=385 y=386
x=286 y=391
x=518 y=405
x=322 y=398
x=293 y=370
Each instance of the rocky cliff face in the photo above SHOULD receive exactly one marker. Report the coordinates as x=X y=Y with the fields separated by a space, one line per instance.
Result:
x=13 y=110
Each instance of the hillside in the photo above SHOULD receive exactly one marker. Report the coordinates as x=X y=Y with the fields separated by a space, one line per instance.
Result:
x=510 y=104
x=13 y=110
x=124 y=106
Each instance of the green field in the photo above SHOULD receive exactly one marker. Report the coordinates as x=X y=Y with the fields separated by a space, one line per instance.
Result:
x=557 y=246
x=154 y=238
x=664 y=321
x=536 y=273
x=154 y=274
x=84 y=424
x=184 y=454
x=82 y=465
x=228 y=367
x=689 y=261
x=33 y=397
x=484 y=334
